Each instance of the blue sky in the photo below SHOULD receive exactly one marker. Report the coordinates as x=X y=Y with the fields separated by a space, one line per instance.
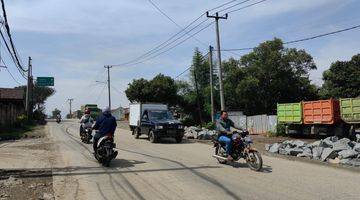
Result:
x=73 y=40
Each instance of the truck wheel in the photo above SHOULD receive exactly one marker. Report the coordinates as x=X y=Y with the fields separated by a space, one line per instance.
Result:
x=152 y=137
x=178 y=139
x=136 y=133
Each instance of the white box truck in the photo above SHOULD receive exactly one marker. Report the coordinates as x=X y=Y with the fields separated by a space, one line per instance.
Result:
x=154 y=120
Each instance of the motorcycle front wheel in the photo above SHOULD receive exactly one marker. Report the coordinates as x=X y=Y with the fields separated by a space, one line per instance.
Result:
x=217 y=152
x=254 y=161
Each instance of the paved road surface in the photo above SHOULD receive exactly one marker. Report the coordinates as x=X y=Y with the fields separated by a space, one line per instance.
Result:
x=185 y=171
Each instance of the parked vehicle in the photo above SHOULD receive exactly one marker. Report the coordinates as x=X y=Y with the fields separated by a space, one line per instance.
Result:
x=290 y=114
x=321 y=117
x=86 y=135
x=350 y=113
x=106 y=150
x=154 y=120
x=241 y=149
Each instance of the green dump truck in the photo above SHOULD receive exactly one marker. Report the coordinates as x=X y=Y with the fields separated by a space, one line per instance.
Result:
x=350 y=113
x=95 y=111
x=290 y=114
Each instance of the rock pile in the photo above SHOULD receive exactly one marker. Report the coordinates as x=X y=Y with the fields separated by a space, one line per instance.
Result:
x=331 y=149
x=193 y=132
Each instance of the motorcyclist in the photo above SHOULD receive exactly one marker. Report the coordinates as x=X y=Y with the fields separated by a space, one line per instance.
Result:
x=223 y=126
x=58 y=117
x=86 y=121
x=105 y=124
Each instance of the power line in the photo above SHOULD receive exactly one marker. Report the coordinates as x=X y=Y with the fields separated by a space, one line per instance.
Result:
x=227 y=8
x=7 y=69
x=323 y=35
x=101 y=93
x=118 y=91
x=156 y=48
x=187 y=69
x=172 y=20
x=10 y=38
x=250 y=5
x=179 y=26
x=11 y=55
x=172 y=47
x=303 y=39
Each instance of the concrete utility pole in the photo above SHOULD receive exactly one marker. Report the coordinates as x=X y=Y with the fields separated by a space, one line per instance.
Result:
x=108 y=83
x=28 y=104
x=211 y=83
x=70 y=101
x=197 y=96
x=217 y=17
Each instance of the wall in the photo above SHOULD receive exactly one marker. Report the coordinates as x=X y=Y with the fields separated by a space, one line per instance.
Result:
x=9 y=111
x=258 y=124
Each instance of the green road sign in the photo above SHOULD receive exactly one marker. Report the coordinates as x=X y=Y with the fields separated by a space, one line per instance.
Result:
x=45 y=81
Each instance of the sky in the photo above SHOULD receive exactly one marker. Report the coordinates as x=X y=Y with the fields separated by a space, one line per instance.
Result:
x=73 y=40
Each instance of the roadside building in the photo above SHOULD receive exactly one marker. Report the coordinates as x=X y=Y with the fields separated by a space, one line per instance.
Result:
x=118 y=113
x=12 y=105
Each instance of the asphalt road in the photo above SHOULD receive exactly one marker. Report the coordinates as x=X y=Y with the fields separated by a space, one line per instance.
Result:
x=184 y=171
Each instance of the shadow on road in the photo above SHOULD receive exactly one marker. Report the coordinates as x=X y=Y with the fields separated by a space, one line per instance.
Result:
x=77 y=170
x=265 y=169
x=168 y=140
x=194 y=171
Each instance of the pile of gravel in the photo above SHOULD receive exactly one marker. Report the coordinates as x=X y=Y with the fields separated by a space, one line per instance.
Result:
x=331 y=149
x=193 y=132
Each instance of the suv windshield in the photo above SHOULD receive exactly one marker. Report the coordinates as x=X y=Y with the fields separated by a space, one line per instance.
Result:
x=160 y=115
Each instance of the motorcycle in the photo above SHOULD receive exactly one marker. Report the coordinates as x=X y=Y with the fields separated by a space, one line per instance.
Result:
x=106 y=150
x=241 y=149
x=86 y=135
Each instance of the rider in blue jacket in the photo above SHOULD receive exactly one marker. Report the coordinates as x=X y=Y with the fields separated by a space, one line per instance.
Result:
x=105 y=124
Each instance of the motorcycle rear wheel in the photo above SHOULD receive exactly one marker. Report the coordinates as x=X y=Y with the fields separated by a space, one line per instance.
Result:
x=254 y=161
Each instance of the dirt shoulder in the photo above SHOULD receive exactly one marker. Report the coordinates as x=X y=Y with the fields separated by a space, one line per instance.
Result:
x=25 y=167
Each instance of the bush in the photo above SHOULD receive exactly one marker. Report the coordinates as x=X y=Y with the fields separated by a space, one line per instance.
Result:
x=280 y=131
x=21 y=121
x=210 y=126
x=187 y=121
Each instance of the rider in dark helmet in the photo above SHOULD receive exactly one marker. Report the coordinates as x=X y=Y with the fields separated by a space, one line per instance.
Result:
x=105 y=124
x=223 y=126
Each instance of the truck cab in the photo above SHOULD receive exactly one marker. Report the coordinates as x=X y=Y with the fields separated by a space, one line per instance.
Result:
x=157 y=122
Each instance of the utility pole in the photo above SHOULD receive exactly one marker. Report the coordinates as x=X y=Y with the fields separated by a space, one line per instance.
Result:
x=28 y=104
x=197 y=96
x=217 y=17
x=211 y=84
x=108 y=83
x=70 y=101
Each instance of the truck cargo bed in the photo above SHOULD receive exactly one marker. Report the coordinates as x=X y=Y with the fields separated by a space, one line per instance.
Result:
x=321 y=112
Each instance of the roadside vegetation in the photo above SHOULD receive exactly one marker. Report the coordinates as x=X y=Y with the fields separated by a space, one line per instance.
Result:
x=254 y=83
x=22 y=124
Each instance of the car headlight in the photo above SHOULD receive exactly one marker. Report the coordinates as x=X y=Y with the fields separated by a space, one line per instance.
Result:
x=159 y=127
x=180 y=127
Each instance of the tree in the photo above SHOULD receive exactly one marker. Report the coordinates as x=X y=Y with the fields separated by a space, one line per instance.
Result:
x=268 y=75
x=39 y=96
x=138 y=91
x=342 y=80
x=161 y=89
x=55 y=112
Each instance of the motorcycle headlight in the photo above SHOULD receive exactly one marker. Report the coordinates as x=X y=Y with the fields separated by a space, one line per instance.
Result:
x=248 y=139
x=159 y=127
x=180 y=127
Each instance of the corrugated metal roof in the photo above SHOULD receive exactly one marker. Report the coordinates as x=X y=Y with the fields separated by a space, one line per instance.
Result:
x=11 y=93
